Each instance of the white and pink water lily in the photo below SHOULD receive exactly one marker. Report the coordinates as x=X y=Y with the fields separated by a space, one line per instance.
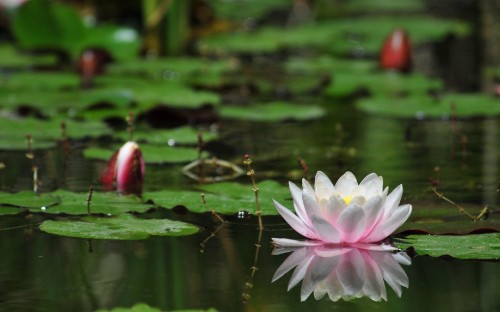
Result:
x=344 y=213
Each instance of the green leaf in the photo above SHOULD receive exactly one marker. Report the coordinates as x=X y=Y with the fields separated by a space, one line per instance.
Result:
x=273 y=111
x=461 y=105
x=138 y=307
x=40 y=24
x=225 y=197
x=45 y=130
x=27 y=199
x=121 y=42
x=181 y=135
x=10 y=57
x=478 y=246
x=40 y=81
x=121 y=227
x=326 y=64
x=381 y=84
x=153 y=154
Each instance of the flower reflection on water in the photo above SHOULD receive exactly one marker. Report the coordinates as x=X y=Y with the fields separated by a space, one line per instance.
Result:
x=344 y=272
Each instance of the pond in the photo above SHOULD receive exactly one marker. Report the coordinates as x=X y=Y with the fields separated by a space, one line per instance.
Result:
x=295 y=106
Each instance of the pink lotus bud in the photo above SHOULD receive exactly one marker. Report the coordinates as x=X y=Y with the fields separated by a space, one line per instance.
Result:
x=125 y=169
x=396 y=52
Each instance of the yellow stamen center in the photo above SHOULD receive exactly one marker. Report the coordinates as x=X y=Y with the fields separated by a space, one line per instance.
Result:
x=347 y=199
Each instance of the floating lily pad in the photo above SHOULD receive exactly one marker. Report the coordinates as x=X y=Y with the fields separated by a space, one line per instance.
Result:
x=121 y=227
x=342 y=36
x=479 y=246
x=460 y=105
x=39 y=81
x=10 y=57
x=367 y=6
x=43 y=131
x=225 y=197
x=65 y=202
x=122 y=43
x=181 y=135
x=243 y=10
x=139 y=307
x=153 y=154
x=272 y=111
x=327 y=64
x=381 y=84
x=172 y=68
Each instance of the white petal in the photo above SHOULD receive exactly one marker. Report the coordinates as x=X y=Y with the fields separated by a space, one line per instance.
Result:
x=373 y=209
x=291 y=261
x=299 y=272
x=351 y=223
x=333 y=207
x=295 y=222
x=392 y=200
x=351 y=273
x=310 y=204
x=298 y=203
x=323 y=186
x=390 y=224
x=285 y=242
x=346 y=184
x=327 y=232
x=369 y=178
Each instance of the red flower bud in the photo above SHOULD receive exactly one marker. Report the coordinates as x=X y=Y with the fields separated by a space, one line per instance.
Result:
x=396 y=52
x=125 y=170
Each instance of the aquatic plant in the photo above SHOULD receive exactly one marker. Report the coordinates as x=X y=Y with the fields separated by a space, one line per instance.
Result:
x=125 y=169
x=344 y=213
x=396 y=52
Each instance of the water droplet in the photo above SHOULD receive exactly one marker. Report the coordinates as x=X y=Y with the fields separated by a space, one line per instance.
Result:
x=420 y=115
x=242 y=214
x=43 y=208
x=171 y=142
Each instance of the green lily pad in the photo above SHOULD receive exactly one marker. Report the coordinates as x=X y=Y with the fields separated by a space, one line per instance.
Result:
x=364 y=34
x=460 y=105
x=122 y=43
x=225 y=197
x=42 y=131
x=172 y=68
x=272 y=111
x=40 y=81
x=381 y=84
x=10 y=57
x=367 y=6
x=153 y=154
x=121 y=227
x=181 y=135
x=65 y=202
x=242 y=10
x=478 y=246
x=138 y=307
x=40 y=24
x=328 y=65
x=27 y=199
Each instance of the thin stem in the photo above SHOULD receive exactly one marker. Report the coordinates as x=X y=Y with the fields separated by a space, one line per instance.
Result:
x=460 y=208
x=245 y=296
x=251 y=173
x=89 y=199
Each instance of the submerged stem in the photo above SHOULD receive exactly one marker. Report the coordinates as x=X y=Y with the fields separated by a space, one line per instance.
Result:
x=460 y=208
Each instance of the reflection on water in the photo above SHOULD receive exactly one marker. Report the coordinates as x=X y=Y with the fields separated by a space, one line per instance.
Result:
x=344 y=272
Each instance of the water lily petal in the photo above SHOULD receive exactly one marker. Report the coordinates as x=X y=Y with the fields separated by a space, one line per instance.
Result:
x=295 y=222
x=373 y=209
x=325 y=230
x=346 y=184
x=351 y=223
x=332 y=208
x=392 y=200
x=390 y=224
x=323 y=186
x=298 y=203
x=309 y=199
x=290 y=262
x=286 y=242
